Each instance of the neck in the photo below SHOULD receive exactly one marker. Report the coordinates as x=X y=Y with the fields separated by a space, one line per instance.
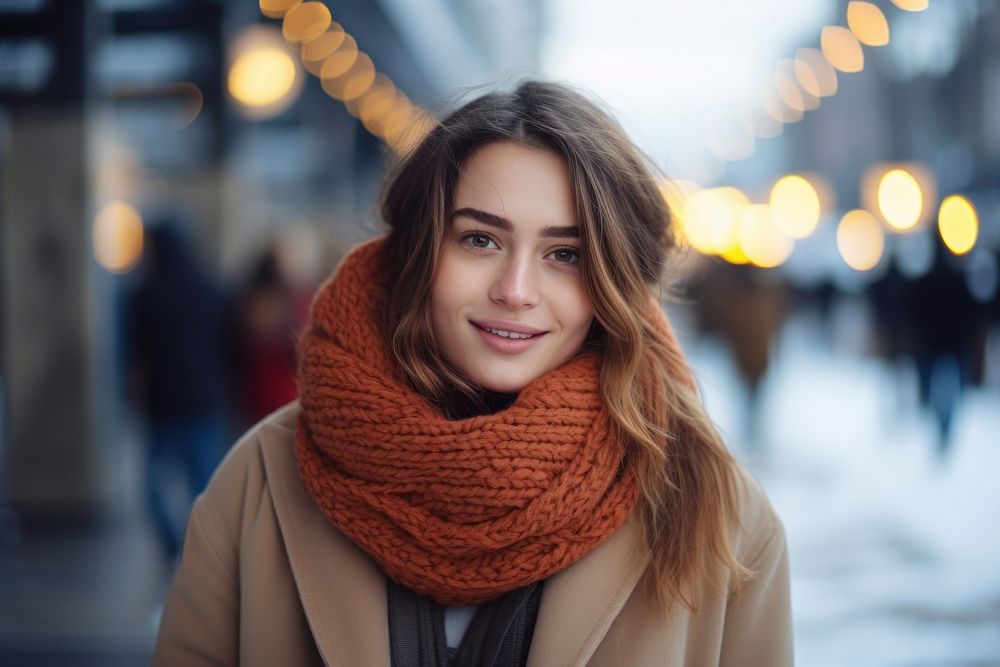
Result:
x=483 y=402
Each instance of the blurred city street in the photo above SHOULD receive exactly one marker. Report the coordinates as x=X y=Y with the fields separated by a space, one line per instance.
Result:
x=177 y=177
x=893 y=551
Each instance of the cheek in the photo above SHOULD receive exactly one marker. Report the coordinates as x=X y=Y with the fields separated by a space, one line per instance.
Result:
x=447 y=298
x=576 y=313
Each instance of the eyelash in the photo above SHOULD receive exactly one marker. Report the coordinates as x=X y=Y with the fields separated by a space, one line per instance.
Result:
x=466 y=238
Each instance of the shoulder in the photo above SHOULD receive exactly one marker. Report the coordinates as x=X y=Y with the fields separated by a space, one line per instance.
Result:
x=757 y=527
x=242 y=477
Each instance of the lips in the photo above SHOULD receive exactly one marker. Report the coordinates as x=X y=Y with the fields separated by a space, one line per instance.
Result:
x=508 y=338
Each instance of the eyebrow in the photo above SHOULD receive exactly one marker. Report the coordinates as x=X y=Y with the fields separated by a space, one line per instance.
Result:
x=552 y=231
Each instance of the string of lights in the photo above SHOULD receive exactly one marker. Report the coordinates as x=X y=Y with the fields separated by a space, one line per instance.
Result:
x=895 y=198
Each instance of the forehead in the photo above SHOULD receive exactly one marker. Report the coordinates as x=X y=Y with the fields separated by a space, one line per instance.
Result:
x=523 y=183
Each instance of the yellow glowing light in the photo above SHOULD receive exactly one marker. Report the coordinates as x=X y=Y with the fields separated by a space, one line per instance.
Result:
x=841 y=49
x=796 y=206
x=777 y=109
x=381 y=86
x=760 y=238
x=306 y=21
x=353 y=83
x=359 y=83
x=899 y=199
x=860 y=240
x=275 y=9
x=814 y=73
x=410 y=131
x=788 y=91
x=261 y=77
x=911 y=5
x=868 y=23
x=315 y=51
x=377 y=106
x=117 y=237
x=734 y=255
x=397 y=120
x=341 y=60
x=710 y=224
x=958 y=224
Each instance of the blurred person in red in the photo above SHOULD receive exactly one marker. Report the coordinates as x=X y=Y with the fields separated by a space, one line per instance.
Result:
x=272 y=308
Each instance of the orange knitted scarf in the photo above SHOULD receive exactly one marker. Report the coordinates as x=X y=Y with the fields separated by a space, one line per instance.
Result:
x=460 y=510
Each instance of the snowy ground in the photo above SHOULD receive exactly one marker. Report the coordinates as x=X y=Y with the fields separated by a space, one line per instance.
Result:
x=895 y=554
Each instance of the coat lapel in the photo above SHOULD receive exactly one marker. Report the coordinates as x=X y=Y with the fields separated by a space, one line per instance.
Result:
x=342 y=591
x=580 y=603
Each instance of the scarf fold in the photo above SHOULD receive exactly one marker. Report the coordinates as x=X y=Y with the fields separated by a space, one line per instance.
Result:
x=499 y=635
x=458 y=510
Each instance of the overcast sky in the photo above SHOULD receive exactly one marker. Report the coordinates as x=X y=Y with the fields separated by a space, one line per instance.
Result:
x=673 y=69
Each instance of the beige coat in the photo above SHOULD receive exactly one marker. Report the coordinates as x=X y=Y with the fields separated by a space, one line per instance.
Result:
x=265 y=579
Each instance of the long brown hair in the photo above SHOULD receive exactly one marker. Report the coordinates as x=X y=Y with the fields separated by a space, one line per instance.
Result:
x=686 y=475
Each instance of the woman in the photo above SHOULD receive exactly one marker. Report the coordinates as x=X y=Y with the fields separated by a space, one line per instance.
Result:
x=499 y=457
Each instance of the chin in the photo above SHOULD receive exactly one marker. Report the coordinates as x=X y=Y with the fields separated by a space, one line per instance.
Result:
x=504 y=384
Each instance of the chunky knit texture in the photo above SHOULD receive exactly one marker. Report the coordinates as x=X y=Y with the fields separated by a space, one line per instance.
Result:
x=460 y=510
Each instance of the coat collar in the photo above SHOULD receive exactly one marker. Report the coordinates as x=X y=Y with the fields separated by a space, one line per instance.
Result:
x=343 y=591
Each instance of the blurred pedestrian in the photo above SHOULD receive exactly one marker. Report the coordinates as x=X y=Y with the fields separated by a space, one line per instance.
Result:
x=945 y=318
x=747 y=309
x=268 y=324
x=177 y=376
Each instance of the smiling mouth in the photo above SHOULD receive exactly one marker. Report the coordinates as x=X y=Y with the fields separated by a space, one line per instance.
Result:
x=507 y=334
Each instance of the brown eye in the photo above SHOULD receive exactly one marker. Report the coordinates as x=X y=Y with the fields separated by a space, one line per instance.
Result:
x=565 y=255
x=478 y=241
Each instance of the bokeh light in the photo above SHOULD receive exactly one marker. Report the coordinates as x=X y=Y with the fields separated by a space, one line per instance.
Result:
x=340 y=61
x=786 y=81
x=353 y=83
x=790 y=93
x=900 y=200
x=117 y=237
x=305 y=21
x=911 y=5
x=868 y=23
x=276 y=9
x=796 y=206
x=841 y=49
x=710 y=220
x=377 y=105
x=316 y=51
x=860 y=240
x=958 y=224
x=264 y=77
x=381 y=86
x=814 y=73
x=406 y=133
x=761 y=239
x=777 y=109
x=261 y=77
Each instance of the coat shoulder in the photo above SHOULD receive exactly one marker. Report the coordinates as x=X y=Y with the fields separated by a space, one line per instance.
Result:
x=241 y=479
x=245 y=457
x=757 y=523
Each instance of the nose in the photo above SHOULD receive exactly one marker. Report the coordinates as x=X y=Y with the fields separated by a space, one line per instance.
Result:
x=515 y=285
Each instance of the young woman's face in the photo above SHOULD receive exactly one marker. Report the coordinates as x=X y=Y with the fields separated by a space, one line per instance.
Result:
x=508 y=303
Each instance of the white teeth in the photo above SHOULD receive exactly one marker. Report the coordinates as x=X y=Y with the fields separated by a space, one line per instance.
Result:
x=508 y=334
